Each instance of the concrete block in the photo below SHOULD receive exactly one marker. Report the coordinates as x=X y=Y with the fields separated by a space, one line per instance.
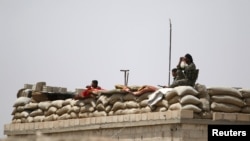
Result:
x=109 y=119
x=77 y=122
x=114 y=118
x=97 y=120
x=132 y=117
x=6 y=127
x=120 y=118
x=218 y=116
x=40 y=125
x=17 y=126
x=150 y=116
x=26 y=126
x=126 y=117
x=67 y=123
x=61 y=123
x=103 y=119
x=186 y=114
x=144 y=116
x=230 y=116
x=243 y=117
x=137 y=117
x=12 y=127
x=156 y=115
x=92 y=120
x=36 y=126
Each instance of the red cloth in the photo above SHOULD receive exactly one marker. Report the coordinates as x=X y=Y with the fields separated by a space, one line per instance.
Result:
x=87 y=92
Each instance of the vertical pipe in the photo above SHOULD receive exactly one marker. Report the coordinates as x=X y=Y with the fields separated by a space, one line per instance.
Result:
x=170 y=39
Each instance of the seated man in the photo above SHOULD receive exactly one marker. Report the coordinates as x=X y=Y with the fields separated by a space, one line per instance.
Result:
x=186 y=72
x=91 y=89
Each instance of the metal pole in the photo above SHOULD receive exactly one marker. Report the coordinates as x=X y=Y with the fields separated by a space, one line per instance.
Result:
x=125 y=77
x=170 y=39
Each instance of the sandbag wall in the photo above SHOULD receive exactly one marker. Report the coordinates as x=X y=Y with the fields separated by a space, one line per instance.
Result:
x=203 y=101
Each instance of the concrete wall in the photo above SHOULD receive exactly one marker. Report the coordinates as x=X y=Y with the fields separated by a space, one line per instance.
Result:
x=179 y=125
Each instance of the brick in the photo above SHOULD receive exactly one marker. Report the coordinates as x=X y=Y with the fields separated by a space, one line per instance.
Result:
x=36 y=126
x=218 y=116
x=168 y=115
x=61 y=123
x=175 y=114
x=97 y=120
x=150 y=116
x=243 y=117
x=156 y=115
x=40 y=125
x=17 y=126
x=76 y=121
x=138 y=117
x=230 y=116
x=56 y=124
x=26 y=126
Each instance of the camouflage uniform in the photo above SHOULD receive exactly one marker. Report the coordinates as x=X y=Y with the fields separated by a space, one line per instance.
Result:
x=185 y=77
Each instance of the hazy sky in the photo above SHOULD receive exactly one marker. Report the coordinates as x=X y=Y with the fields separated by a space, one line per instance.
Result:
x=67 y=43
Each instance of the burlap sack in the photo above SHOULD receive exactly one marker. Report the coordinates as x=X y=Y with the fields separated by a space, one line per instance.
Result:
x=44 y=105
x=130 y=111
x=174 y=100
x=119 y=112
x=52 y=117
x=108 y=108
x=204 y=105
x=115 y=97
x=38 y=118
x=118 y=105
x=245 y=92
x=31 y=106
x=73 y=115
x=228 y=99
x=185 y=90
x=247 y=101
x=170 y=94
x=69 y=101
x=37 y=112
x=192 y=107
x=160 y=109
x=20 y=108
x=64 y=117
x=223 y=107
x=14 y=111
x=189 y=99
x=90 y=100
x=100 y=107
x=129 y=97
x=99 y=113
x=80 y=103
x=50 y=111
x=103 y=99
x=63 y=110
x=146 y=109
x=175 y=106
x=87 y=108
x=83 y=115
x=75 y=109
x=131 y=104
x=201 y=89
x=245 y=109
x=144 y=103
x=224 y=91
x=143 y=96
x=29 y=119
x=57 y=103
x=162 y=103
x=21 y=101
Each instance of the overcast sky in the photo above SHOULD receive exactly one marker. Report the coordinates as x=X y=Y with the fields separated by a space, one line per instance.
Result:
x=69 y=43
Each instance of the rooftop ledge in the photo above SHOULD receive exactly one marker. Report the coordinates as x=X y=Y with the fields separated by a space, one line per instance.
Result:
x=123 y=121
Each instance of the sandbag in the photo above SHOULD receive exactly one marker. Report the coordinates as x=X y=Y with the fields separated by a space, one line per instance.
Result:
x=44 y=105
x=130 y=111
x=69 y=101
x=39 y=96
x=204 y=105
x=19 y=93
x=57 y=103
x=87 y=108
x=20 y=108
x=100 y=107
x=160 y=109
x=29 y=119
x=90 y=100
x=245 y=92
x=143 y=96
x=51 y=110
x=144 y=103
x=108 y=108
x=38 y=118
x=175 y=99
x=75 y=109
x=63 y=110
x=224 y=91
x=185 y=90
x=83 y=115
x=146 y=109
x=114 y=98
x=189 y=99
x=129 y=97
x=170 y=94
x=131 y=104
x=175 y=106
x=21 y=101
x=80 y=103
x=52 y=117
x=31 y=106
x=192 y=107
x=223 y=107
x=64 y=116
x=201 y=89
x=228 y=99
x=14 y=111
x=162 y=103
x=118 y=105
x=245 y=109
x=37 y=112
x=103 y=99
x=99 y=113
x=247 y=101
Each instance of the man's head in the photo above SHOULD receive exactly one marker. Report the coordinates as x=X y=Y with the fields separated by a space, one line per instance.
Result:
x=174 y=72
x=188 y=59
x=94 y=83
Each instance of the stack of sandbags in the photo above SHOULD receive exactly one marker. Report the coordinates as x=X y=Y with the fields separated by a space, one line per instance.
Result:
x=184 y=97
x=87 y=107
x=246 y=98
x=20 y=113
x=205 y=100
x=225 y=99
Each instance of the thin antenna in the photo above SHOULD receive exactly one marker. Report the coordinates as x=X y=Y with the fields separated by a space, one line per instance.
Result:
x=126 y=73
x=170 y=39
